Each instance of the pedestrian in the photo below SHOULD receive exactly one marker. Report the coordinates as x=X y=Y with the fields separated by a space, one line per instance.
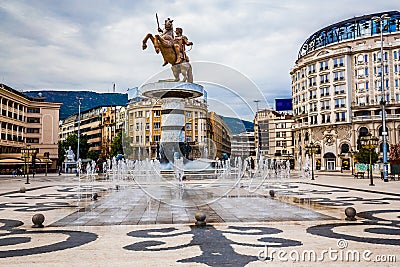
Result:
x=14 y=173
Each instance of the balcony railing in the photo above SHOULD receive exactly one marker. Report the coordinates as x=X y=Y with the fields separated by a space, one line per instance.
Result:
x=376 y=117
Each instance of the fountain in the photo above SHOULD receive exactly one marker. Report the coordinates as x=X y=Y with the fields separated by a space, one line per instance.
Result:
x=153 y=184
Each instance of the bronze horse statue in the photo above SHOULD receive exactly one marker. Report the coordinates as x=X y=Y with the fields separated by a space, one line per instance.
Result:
x=164 y=43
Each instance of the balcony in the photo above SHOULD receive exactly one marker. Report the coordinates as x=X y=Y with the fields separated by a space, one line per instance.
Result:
x=376 y=117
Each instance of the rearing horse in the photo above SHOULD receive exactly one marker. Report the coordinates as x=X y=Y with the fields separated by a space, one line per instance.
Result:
x=165 y=44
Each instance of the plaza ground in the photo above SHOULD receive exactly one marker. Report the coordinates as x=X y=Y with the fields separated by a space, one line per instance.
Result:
x=153 y=224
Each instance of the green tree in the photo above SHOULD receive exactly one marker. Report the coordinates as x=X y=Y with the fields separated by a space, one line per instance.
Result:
x=72 y=141
x=120 y=145
x=362 y=156
x=116 y=145
x=93 y=155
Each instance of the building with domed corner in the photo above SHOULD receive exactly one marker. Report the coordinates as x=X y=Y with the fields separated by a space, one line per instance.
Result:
x=337 y=93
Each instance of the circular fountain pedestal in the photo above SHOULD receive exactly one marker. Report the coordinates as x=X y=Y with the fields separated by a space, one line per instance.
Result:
x=173 y=112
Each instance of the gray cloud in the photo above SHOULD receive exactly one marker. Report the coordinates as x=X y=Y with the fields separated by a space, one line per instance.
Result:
x=92 y=44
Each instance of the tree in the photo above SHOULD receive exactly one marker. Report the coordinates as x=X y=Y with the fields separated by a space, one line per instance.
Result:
x=116 y=145
x=93 y=155
x=362 y=156
x=72 y=141
x=394 y=154
x=120 y=145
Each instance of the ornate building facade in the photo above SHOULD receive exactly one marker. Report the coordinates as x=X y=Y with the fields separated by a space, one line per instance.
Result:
x=337 y=92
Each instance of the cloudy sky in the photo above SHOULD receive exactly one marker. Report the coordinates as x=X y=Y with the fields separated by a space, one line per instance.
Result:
x=242 y=49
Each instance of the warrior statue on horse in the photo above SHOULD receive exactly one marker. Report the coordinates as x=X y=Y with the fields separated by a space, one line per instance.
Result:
x=173 y=49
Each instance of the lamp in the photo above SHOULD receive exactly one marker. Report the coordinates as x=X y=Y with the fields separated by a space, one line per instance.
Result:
x=383 y=98
x=311 y=149
x=369 y=142
x=79 y=128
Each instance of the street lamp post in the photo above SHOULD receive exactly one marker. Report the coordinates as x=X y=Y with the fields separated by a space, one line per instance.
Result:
x=46 y=157
x=311 y=149
x=383 y=99
x=26 y=154
x=79 y=127
x=370 y=142
x=352 y=152
x=258 y=133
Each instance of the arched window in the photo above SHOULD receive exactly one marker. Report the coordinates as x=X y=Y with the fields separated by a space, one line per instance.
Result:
x=345 y=148
x=363 y=131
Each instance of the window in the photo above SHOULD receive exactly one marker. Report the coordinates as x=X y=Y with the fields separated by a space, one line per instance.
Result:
x=324 y=78
x=338 y=62
x=33 y=110
x=32 y=140
x=137 y=139
x=137 y=126
x=147 y=126
x=33 y=120
x=340 y=103
x=32 y=130
x=325 y=118
x=341 y=116
x=312 y=81
x=188 y=126
x=339 y=89
x=157 y=126
x=311 y=68
x=324 y=65
x=157 y=113
x=306 y=137
x=325 y=104
x=345 y=148
x=156 y=138
x=324 y=91
x=339 y=75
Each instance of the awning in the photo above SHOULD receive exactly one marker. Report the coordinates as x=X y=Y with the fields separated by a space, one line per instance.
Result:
x=11 y=162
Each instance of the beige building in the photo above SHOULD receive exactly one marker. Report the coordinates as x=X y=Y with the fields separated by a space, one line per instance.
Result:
x=273 y=134
x=144 y=126
x=27 y=121
x=220 y=134
x=336 y=88
x=100 y=124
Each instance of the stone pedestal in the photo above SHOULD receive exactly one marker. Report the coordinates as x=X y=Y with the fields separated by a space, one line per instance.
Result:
x=173 y=112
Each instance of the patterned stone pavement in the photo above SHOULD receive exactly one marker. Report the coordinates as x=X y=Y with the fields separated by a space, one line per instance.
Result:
x=153 y=225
